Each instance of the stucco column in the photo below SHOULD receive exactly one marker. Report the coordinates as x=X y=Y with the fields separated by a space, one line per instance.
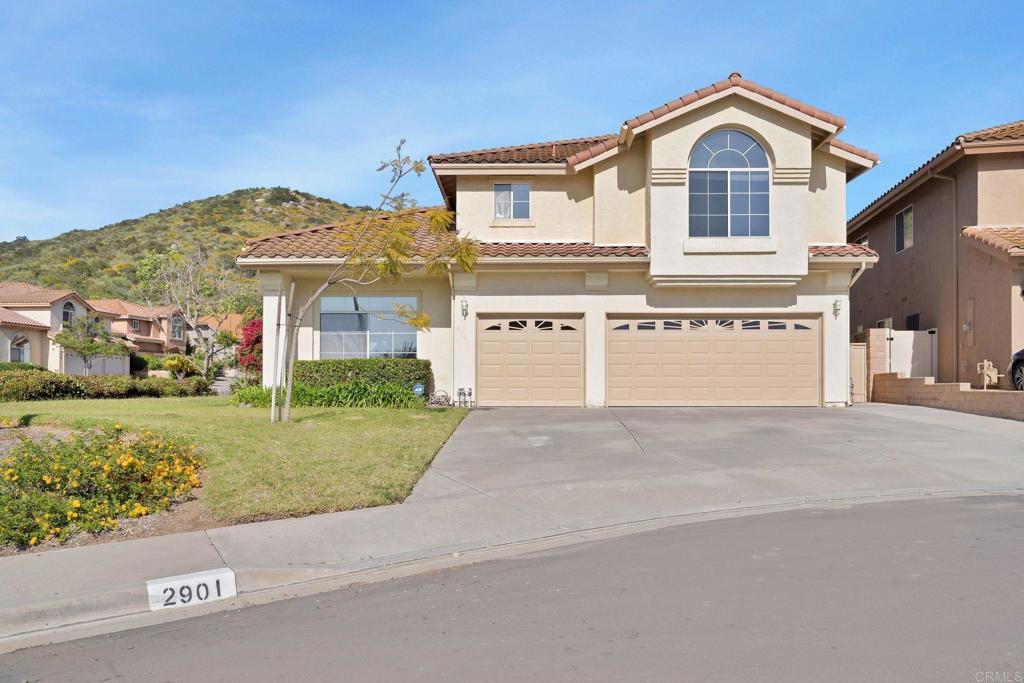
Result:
x=274 y=288
x=594 y=356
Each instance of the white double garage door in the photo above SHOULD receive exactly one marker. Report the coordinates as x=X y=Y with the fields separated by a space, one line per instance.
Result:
x=664 y=361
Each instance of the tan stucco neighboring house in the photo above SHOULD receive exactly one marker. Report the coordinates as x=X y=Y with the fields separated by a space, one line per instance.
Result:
x=30 y=316
x=697 y=256
x=951 y=239
x=156 y=330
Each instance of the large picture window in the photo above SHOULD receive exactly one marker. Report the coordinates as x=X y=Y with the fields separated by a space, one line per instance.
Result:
x=728 y=181
x=366 y=327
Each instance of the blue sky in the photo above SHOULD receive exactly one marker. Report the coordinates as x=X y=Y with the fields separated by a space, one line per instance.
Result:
x=110 y=109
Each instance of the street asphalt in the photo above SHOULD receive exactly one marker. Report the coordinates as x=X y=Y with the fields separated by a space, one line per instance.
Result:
x=926 y=590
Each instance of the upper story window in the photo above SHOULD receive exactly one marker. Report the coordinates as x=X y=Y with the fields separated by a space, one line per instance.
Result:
x=511 y=201
x=728 y=181
x=136 y=325
x=177 y=328
x=863 y=240
x=67 y=313
x=905 y=229
x=366 y=327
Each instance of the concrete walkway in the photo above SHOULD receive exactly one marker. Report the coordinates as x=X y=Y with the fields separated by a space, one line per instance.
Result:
x=509 y=476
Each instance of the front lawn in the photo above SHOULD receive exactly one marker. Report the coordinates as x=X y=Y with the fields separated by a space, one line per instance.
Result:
x=326 y=459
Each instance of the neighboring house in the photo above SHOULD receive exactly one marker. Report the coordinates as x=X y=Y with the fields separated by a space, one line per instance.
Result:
x=30 y=316
x=951 y=236
x=157 y=331
x=210 y=326
x=697 y=256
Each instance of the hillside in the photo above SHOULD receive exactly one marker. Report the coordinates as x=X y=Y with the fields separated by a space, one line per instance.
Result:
x=100 y=263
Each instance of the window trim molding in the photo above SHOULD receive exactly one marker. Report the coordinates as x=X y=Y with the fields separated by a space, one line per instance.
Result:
x=895 y=243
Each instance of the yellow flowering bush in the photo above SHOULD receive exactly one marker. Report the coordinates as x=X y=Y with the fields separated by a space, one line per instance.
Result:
x=50 y=489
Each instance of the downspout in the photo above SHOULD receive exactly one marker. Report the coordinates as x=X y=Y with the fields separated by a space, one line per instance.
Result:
x=956 y=270
x=857 y=273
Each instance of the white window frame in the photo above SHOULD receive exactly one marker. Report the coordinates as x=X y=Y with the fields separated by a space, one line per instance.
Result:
x=529 y=201
x=863 y=240
x=896 y=229
x=136 y=325
x=180 y=320
x=67 y=308
x=884 y=323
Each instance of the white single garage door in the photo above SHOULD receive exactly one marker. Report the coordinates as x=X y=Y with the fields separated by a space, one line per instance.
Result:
x=714 y=362
x=529 y=361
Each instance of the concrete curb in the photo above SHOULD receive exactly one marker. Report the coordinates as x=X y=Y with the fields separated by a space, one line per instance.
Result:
x=119 y=602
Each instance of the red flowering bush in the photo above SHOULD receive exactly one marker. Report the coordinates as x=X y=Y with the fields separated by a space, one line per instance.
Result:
x=250 y=348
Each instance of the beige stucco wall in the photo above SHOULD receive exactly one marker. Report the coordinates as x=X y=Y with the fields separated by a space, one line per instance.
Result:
x=37 y=343
x=433 y=295
x=1017 y=308
x=561 y=209
x=826 y=217
x=1001 y=189
x=787 y=142
x=620 y=198
x=985 y=280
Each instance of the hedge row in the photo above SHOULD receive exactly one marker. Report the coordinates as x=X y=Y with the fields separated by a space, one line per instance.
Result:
x=28 y=385
x=347 y=395
x=7 y=366
x=406 y=372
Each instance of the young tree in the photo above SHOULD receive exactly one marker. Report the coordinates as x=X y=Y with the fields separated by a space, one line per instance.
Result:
x=88 y=337
x=199 y=288
x=378 y=248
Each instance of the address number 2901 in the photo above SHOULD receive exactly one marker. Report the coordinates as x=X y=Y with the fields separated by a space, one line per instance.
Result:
x=191 y=589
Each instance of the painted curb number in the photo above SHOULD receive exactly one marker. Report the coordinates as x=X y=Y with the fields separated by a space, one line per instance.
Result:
x=191 y=589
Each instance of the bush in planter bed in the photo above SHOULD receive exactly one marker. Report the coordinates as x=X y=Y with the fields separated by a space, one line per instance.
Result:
x=346 y=395
x=30 y=385
x=39 y=386
x=11 y=366
x=405 y=372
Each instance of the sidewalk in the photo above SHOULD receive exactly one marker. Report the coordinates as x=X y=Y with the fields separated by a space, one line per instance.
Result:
x=487 y=489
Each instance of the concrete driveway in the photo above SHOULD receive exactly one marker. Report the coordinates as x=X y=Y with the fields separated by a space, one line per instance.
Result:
x=587 y=467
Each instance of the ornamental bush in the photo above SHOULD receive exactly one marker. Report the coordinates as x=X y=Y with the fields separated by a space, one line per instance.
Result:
x=9 y=366
x=50 y=489
x=27 y=385
x=346 y=395
x=406 y=372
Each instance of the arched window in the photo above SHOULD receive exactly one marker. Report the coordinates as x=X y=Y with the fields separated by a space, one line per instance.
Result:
x=20 y=350
x=728 y=180
x=68 y=313
x=177 y=328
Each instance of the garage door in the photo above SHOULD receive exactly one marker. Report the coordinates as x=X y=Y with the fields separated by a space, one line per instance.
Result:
x=529 y=361
x=713 y=362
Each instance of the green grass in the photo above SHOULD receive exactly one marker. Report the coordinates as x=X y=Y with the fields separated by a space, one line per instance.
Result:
x=326 y=459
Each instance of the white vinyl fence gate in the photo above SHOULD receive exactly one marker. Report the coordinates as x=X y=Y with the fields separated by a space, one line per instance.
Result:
x=913 y=353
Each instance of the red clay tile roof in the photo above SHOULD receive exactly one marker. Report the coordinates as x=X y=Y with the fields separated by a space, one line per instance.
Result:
x=1006 y=131
x=1003 y=132
x=127 y=309
x=10 y=318
x=556 y=151
x=25 y=293
x=852 y=149
x=1005 y=238
x=327 y=241
x=735 y=80
x=557 y=250
x=842 y=250
x=578 y=150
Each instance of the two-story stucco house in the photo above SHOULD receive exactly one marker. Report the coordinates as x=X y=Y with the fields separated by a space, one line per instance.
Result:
x=156 y=330
x=697 y=256
x=30 y=316
x=951 y=236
